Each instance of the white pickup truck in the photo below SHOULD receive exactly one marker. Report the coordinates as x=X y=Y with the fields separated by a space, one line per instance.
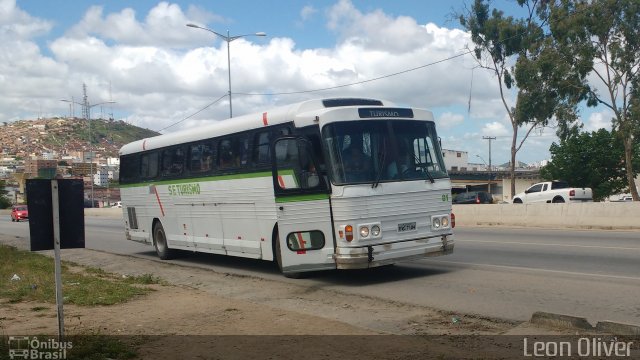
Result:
x=553 y=192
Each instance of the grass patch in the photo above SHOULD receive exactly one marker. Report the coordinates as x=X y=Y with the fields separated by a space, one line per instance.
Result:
x=81 y=285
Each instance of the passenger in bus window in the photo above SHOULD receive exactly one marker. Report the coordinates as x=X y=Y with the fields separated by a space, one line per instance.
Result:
x=207 y=163
x=226 y=158
x=357 y=165
x=228 y=155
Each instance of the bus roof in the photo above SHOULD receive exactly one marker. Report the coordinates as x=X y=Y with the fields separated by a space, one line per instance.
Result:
x=274 y=116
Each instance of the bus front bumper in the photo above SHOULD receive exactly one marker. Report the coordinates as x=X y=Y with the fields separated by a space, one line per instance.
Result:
x=385 y=254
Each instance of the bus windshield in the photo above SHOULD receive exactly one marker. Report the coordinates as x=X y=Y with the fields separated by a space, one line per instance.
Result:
x=376 y=151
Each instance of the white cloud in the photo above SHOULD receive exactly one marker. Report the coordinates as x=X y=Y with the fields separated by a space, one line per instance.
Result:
x=598 y=120
x=162 y=72
x=307 y=12
x=495 y=129
x=16 y=24
x=449 y=120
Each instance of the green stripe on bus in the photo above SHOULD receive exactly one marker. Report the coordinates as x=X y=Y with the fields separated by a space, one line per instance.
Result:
x=201 y=179
x=293 y=198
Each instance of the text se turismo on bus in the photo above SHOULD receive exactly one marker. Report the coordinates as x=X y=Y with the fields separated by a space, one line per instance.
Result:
x=322 y=184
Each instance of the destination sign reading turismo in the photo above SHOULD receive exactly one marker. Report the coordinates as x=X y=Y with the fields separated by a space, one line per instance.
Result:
x=385 y=113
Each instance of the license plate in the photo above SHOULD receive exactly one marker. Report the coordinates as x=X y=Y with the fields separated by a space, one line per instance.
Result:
x=406 y=227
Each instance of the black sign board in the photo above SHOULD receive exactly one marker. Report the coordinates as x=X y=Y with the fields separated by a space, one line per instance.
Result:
x=71 y=213
x=384 y=112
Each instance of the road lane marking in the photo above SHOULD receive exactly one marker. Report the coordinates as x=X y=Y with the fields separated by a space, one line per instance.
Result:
x=547 y=244
x=536 y=269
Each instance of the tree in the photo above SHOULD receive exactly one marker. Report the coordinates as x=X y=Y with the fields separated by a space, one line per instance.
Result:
x=524 y=59
x=606 y=34
x=589 y=160
x=5 y=202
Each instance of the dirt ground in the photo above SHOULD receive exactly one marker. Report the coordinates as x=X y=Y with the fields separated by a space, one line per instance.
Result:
x=199 y=305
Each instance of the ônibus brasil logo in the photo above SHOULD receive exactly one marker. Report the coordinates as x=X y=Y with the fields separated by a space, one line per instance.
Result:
x=33 y=348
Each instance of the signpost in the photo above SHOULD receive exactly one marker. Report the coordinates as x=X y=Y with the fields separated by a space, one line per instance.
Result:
x=50 y=228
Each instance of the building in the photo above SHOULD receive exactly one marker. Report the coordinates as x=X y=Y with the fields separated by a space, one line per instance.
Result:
x=88 y=156
x=113 y=161
x=455 y=160
x=101 y=177
x=40 y=168
x=83 y=168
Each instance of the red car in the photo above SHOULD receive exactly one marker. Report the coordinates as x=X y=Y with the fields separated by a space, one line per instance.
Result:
x=19 y=212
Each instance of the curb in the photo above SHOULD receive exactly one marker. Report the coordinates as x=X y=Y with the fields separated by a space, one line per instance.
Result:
x=581 y=323
x=560 y=320
x=618 y=328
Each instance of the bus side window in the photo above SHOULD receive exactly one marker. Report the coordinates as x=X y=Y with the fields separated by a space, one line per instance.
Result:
x=172 y=161
x=129 y=168
x=262 y=154
x=227 y=154
x=149 y=165
x=200 y=157
x=295 y=166
x=244 y=153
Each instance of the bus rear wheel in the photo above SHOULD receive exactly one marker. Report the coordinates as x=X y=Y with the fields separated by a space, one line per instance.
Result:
x=160 y=242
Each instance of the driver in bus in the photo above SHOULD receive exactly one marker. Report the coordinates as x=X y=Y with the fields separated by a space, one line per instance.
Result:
x=357 y=165
x=397 y=168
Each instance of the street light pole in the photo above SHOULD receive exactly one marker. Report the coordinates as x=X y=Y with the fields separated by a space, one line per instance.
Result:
x=490 y=138
x=228 y=39
x=87 y=112
x=485 y=164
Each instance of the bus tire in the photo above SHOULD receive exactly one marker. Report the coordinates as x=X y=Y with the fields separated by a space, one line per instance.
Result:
x=160 y=242
x=278 y=257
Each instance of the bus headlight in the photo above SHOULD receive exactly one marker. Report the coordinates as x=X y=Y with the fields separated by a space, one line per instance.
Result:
x=375 y=230
x=440 y=222
x=364 y=231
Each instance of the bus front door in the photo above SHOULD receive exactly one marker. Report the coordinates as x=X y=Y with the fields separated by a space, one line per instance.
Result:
x=305 y=240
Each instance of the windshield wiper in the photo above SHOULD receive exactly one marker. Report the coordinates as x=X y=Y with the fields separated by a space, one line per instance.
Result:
x=379 y=169
x=424 y=168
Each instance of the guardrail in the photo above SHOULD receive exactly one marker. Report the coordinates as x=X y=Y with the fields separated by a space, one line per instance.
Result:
x=99 y=212
x=598 y=215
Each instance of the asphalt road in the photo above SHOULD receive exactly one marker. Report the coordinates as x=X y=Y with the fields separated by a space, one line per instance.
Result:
x=498 y=272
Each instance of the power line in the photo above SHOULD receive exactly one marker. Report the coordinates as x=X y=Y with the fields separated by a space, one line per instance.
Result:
x=324 y=89
x=194 y=114
x=358 y=82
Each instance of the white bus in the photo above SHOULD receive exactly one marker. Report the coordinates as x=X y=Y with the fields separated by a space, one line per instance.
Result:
x=323 y=184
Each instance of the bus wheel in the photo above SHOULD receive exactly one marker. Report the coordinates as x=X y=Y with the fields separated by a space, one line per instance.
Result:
x=294 y=275
x=160 y=242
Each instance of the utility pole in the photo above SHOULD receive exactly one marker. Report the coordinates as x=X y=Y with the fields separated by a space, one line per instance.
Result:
x=86 y=113
x=490 y=170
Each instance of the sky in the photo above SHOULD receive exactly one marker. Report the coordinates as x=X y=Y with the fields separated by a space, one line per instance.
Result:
x=142 y=64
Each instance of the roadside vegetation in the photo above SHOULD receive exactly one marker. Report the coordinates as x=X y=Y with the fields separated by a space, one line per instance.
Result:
x=27 y=276
x=591 y=159
x=5 y=202
x=558 y=56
